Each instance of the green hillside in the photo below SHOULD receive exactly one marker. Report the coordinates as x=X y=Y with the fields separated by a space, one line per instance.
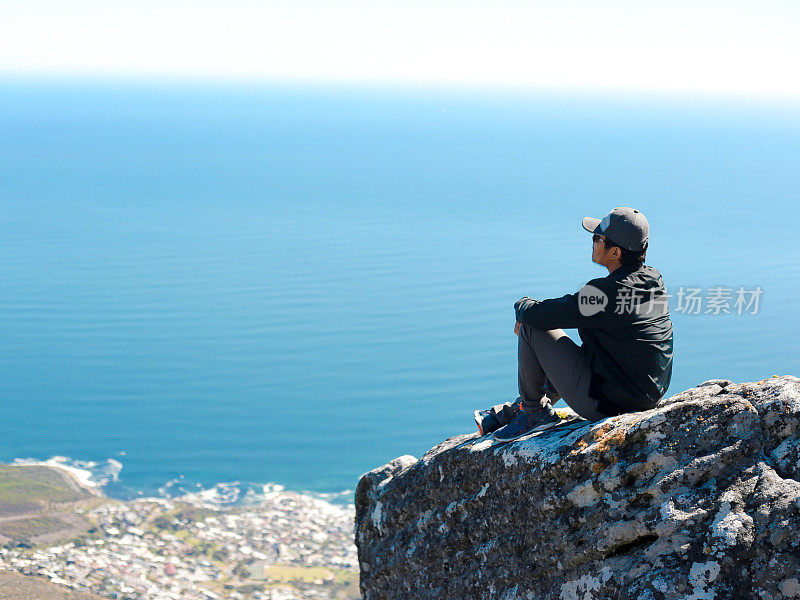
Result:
x=28 y=488
x=37 y=505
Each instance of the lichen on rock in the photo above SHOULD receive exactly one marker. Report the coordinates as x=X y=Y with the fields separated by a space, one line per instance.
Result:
x=697 y=498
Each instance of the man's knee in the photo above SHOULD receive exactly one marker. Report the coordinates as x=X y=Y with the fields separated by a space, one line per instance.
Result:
x=531 y=334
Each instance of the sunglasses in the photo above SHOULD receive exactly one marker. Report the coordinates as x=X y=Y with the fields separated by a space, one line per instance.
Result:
x=596 y=238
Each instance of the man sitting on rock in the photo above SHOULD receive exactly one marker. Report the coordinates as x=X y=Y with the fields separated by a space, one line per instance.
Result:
x=625 y=361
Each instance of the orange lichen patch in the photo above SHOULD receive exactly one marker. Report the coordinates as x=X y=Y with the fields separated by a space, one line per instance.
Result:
x=603 y=440
x=607 y=442
x=601 y=431
x=617 y=437
x=601 y=465
x=579 y=445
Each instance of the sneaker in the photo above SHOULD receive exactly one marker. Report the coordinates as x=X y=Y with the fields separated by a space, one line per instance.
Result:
x=485 y=421
x=488 y=422
x=527 y=421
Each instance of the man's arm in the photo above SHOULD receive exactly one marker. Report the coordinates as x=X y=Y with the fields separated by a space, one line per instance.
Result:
x=557 y=313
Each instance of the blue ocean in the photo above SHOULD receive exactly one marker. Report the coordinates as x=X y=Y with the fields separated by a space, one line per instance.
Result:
x=295 y=284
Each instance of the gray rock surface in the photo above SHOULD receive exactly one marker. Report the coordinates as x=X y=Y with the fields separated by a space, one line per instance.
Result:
x=697 y=499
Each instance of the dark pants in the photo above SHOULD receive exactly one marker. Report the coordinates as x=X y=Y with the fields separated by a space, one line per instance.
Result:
x=552 y=355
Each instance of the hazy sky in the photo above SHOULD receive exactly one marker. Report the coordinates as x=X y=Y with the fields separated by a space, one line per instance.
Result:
x=730 y=47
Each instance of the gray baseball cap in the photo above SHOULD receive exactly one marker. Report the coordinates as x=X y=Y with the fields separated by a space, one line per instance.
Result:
x=626 y=227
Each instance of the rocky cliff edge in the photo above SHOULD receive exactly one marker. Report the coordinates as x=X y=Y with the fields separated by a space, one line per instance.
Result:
x=696 y=499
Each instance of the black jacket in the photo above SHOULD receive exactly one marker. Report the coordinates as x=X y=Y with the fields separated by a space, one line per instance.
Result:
x=628 y=344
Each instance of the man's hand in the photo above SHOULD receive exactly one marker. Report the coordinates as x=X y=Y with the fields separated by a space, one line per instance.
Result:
x=519 y=303
x=516 y=327
x=520 y=306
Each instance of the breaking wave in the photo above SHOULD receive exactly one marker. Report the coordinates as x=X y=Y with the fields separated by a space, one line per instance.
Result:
x=103 y=476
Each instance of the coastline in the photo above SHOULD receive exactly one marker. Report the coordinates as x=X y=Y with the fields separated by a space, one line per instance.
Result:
x=209 y=544
x=102 y=478
x=81 y=477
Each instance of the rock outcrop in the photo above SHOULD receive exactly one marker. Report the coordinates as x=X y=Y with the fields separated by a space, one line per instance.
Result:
x=696 y=499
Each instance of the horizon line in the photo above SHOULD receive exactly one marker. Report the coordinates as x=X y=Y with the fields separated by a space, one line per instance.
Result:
x=167 y=80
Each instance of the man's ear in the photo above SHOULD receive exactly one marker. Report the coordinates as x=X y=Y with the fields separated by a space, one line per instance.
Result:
x=616 y=253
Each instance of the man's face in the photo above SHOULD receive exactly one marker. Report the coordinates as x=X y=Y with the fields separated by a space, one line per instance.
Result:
x=599 y=249
x=608 y=256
